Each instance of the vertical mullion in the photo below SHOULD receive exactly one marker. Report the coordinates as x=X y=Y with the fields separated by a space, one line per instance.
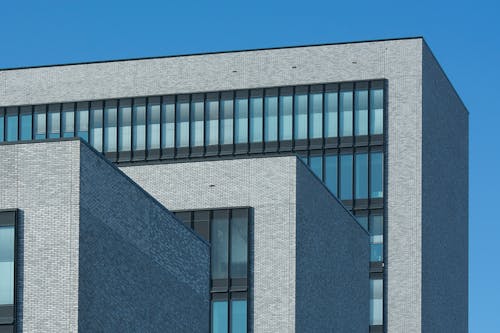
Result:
x=132 y=124
x=229 y=230
x=278 y=122
x=146 y=129
x=338 y=116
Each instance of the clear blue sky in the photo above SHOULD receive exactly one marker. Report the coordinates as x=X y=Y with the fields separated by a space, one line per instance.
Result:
x=464 y=36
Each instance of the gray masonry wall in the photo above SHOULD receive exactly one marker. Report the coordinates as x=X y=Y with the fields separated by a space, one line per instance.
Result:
x=444 y=203
x=141 y=270
x=332 y=257
x=268 y=185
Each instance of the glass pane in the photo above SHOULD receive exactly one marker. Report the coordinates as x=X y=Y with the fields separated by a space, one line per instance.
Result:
x=377 y=111
x=110 y=126
x=346 y=113
x=125 y=125
x=82 y=121
x=286 y=117
x=168 y=130
x=182 y=128
x=346 y=177
x=68 y=120
x=256 y=119
x=212 y=125
x=316 y=115
x=219 y=241
x=226 y=122
x=363 y=220
x=200 y=224
x=54 y=121
x=377 y=174
x=239 y=244
x=271 y=120
x=361 y=116
x=40 y=122
x=331 y=173
x=376 y=302
x=239 y=316
x=219 y=317
x=316 y=164
x=185 y=217
x=154 y=123
x=7 y=265
x=331 y=115
x=96 y=115
x=197 y=125
x=361 y=176
x=139 y=121
x=2 y=120
x=377 y=237
x=241 y=124
x=26 y=120
x=12 y=124
x=301 y=116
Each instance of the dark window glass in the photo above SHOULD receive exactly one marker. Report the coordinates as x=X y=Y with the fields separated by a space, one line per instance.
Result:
x=212 y=125
x=376 y=174
x=238 y=316
x=201 y=224
x=220 y=245
x=154 y=123
x=26 y=123
x=377 y=111
x=2 y=121
x=346 y=113
x=82 y=120
x=300 y=116
x=54 y=121
x=185 y=217
x=361 y=176
x=226 y=122
x=125 y=125
x=361 y=112
x=376 y=302
x=220 y=316
x=241 y=120
x=12 y=124
x=316 y=115
x=68 y=120
x=256 y=119
x=316 y=164
x=182 y=128
x=110 y=126
x=197 y=122
x=331 y=114
x=363 y=220
x=331 y=173
x=286 y=117
x=168 y=130
x=239 y=244
x=376 y=238
x=96 y=125
x=40 y=122
x=346 y=177
x=271 y=118
x=139 y=122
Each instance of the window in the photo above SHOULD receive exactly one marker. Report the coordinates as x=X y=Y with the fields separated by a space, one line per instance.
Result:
x=54 y=121
x=300 y=116
x=316 y=164
x=346 y=177
x=256 y=119
x=40 y=122
x=316 y=115
x=125 y=128
x=376 y=302
x=12 y=124
x=219 y=240
x=331 y=114
x=2 y=121
x=346 y=113
x=197 y=124
x=239 y=244
x=363 y=220
x=82 y=120
x=376 y=174
x=153 y=130
x=238 y=316
x=219 y=317
x=110 y=126
x=271 y=118
x=212 y=124
x=376 y=111
x=168 y=122
x=182 y=118
x=361 y=176
x=286 y=117
x=376 y=230
x=139 y=125
x=68 y=120
x=7 y=267
x=96 y=125
x=26 y=125
x=241 y=120
x=226 y=122
x=361 y=112
x=331 y=173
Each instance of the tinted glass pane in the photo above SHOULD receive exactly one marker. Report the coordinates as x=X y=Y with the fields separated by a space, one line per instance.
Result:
x=377 y=111
x=256 y=119
x=316 y=115
x=219 y=317
x=197 y=125
x=376 y=237
x=226 y=122
x=361 y=176
x=68 y=120
x=219 y=241
x=241 y=124
x=331 y=173
x=125 y=125
x=346 y=113
x=238 y=316
x=2 y=130
x=361 y=116
x=376 y=302
x=363 y=220
x=300 y=116
x=271 y=120
x=200 y=224
x=96 y=120
x=212 y=125
x=316 y=164
x=139 y=121
x=286 y=117
x=82 y=121
x=185 y=217
x=12 y=124
x=346 y=177
x=331 y=120
x=54 y=121
x=377 y=175
x=7 y=265
x=40 y=122
x=239 y=243
x=182 y=128
x=110 y=126
x=168 y=130
x=154 y=123
x=26 y=120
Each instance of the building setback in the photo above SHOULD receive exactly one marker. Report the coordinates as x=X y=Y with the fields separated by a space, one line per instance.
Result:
x=378 y=122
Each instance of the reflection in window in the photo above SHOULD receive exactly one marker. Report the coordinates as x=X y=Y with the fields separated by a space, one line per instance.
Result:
x=219 y=316
x=241 y=120
x=331 y=173
x=153 y=116
x=238 y=316
x=346 y=177
x=96 y=125
x=182 y=128
x=125 y=128
x=316 y=115
x=26 y=123
x=271 y=119
x=286 y=120
x=361 y=175
x=2 y=121
x=363 y=220
x=376 y=238
x=239 y=244
x=11 y=129
x=54 y=121
x=361 y=115
x=376 y=302
x=197 y=115
x=376 y=174
x=219 y=241
x=316 y=164
x=82 y=121
x=226 y=122
x=331 y=115
x=256 y=119
x=212 y=125
x=346 y=113
x=40 y=122
x=301 y=116
x=7 y=265
x=110 y=123
x=68 y=120
x=139 y=124
x=376 y=111
x=168 y=125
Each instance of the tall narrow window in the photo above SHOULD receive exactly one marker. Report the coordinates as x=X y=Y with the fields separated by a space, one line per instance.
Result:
x=68 y=120
x=197 y=118
x=376 y=230
x=226 y=122
x=182 y=127
x=361 y=112
x=201 y=221
x=212 y=124
x=40 y=121
x=286 y=117
x=300 y=116
x=96 y=125
x=241 y=120
x=153 y=115
x=238 y=316
x=346 y=177
x=316 y=164
x=361 y=176
x=331 y=173
x=363 y=220
x=54 y=121
x=125 y=125
x=26 y=120
x=376 y=175
x=12 y=124
x=331 y=114
x=271 y=118
x=82 y=120
x=239 y=244
x=219 y=240
x=168 y=125
x=220 y=317
x=2 y=122
x=345 y=113
x=316 y=115
x=7 y=266
x=376 y=111
x=376 y=302
x=139 y=124
x=110 y=126
x=256 y=111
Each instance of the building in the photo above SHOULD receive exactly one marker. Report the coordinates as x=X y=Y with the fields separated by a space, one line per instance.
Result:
x=377 y=121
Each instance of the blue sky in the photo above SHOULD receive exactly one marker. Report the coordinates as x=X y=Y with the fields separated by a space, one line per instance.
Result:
x=464 y=36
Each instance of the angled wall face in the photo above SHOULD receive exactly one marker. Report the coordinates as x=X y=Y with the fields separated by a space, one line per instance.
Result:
x=444 y=203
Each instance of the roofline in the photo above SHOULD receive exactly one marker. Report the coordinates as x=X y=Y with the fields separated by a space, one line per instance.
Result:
x=209 y=53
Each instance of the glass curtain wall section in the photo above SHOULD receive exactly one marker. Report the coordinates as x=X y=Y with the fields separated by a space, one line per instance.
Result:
x=271 y=116
x=40 y=122
x=26 y=123
x=153 y=123
x=241 y=117
x=286 y=114
x=168 y=122
x=110 y=126
x=12 y=127
x=68 y=120
x=125 y=125
x=54 y=121
x=316 y=115
x=197 y=118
